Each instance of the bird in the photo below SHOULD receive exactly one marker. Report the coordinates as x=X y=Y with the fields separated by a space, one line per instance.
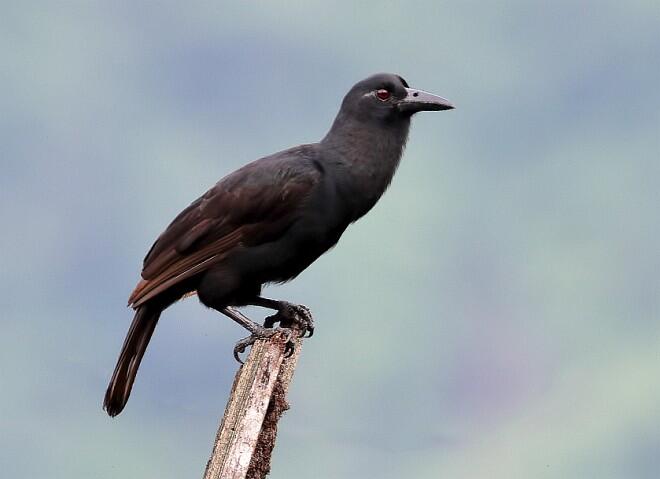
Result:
x=269 y=220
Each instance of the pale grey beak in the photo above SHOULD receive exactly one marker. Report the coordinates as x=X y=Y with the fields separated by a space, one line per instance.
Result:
x=419 y=100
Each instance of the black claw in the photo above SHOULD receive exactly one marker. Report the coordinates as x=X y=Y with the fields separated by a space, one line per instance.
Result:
x=270 y=321
x=242 y=345
x=294 y=313
x=289 y=349
x=238 y=349
x=263 y=333
x=237 y=357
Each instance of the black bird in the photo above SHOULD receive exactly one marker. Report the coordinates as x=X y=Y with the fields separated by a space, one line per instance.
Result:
x=269 y=220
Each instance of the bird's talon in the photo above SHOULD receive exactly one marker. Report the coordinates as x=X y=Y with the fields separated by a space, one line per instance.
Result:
x=237 y=354
x=270 y=321
x=237 y=357
x=296 y=313
x=242 y=345
x=264 y=333
x=289 y=349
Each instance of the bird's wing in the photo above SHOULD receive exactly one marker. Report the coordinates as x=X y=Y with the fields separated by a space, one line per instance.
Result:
x=251 y=206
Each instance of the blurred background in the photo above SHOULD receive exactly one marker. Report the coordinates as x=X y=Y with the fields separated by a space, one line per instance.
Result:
x=496 y=315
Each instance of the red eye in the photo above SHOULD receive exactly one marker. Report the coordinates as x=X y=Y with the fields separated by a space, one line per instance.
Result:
x=383 y=94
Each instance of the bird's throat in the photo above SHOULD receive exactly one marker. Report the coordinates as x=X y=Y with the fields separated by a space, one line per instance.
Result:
x=366 y=157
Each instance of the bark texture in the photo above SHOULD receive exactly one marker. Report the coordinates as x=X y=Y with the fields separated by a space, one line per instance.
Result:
x=247 y=433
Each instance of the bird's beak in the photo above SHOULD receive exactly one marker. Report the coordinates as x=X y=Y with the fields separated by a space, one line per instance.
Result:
x=419 y=100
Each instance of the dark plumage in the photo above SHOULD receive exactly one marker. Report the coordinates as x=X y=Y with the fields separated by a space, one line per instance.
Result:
x=269 y=220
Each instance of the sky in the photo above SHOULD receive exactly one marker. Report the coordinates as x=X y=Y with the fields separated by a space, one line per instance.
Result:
x=496 y=314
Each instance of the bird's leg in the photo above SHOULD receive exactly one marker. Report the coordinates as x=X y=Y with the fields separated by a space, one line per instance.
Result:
x=244 y=321
x=258 y=332
x=287 y=314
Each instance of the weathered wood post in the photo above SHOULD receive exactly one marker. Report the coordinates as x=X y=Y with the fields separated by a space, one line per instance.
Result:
x=246 y=436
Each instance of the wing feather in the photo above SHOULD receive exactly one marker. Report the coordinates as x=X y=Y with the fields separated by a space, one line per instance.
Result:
x=251 y=206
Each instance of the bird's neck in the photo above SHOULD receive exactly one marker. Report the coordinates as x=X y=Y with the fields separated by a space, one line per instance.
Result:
x=367 y=156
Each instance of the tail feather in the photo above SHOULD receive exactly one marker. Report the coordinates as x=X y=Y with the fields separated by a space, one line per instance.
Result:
x=135 y=344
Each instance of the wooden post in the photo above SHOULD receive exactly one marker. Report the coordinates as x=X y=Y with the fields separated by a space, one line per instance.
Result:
x=246 y=436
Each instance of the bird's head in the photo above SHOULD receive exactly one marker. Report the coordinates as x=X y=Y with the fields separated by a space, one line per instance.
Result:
x=386 y=97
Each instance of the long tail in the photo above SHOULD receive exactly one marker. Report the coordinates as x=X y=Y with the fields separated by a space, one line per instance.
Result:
x=135 y=344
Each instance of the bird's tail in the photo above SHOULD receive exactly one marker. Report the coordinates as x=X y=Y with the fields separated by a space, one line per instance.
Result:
x=135 y=344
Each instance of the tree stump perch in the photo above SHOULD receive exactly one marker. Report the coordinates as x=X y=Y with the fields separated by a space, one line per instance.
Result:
x=246 y=437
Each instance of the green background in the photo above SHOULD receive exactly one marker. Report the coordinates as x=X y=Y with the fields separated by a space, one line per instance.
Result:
x=496 y=315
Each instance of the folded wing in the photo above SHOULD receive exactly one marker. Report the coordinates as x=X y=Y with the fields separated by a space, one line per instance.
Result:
x=252 y=206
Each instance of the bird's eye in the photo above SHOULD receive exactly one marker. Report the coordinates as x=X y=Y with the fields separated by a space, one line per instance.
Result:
x=383 y=94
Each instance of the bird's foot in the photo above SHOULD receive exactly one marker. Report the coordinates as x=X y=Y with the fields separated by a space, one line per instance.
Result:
x=289 y=314
x=264 y=333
